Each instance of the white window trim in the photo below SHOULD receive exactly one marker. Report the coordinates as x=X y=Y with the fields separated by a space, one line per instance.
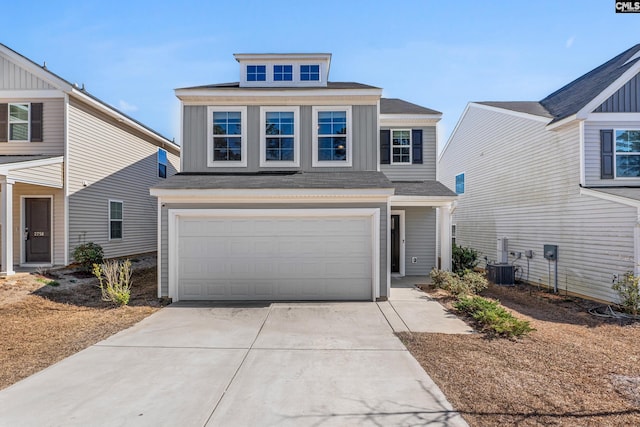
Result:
x=266 y=72
x=166 y=164
x=273 y=73
x=464 y=183
x=410 y=146
x=110 y=219
x=243 y=136
x=309 y=64
x=263 y=137
x=318 y=163
x=28 y=104
x=615 y=156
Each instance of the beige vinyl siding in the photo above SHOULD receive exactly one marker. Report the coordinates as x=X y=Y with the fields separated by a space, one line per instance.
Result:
x=364 y=140
x=52 y=127
x=57 y=210
x=164 y=252
x=522 y=182
x=592 y=152
x=49 y=175
x=13 y=77
x=420 y=240
x=109 y=162
x=425 y=171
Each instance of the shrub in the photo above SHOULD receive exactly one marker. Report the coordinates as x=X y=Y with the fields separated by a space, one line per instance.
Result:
x=463 y=259
x=88 y=254
x=469 y=283
x=115 y=281
x=628 y=290
x=492 y=317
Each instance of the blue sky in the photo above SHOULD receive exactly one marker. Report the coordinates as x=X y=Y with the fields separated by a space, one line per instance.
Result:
x=439 y=54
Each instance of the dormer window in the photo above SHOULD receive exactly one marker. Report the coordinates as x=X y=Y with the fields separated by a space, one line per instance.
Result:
x=256 y=73
x=282 y=73
x=309 y=73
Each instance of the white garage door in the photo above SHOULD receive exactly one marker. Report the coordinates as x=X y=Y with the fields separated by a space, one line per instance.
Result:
x=287 y=255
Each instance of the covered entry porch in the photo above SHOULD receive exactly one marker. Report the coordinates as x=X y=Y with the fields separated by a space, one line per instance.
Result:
x=31 y=212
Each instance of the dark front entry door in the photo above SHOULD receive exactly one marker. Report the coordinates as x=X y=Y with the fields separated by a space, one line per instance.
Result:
x=395 y=243
x=37 y=223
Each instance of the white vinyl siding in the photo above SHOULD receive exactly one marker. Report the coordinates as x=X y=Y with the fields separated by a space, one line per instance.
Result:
x=49 y=175
x=52 y=127
x=106 y=161
x=424 y=171
x=523 y=183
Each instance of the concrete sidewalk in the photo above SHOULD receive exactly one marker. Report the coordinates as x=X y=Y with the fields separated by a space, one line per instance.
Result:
x=411 y=310
x=285 y=364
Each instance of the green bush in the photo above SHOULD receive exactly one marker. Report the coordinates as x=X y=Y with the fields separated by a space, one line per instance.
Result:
x=115 y=281
x=492 y=317
x=463 y=259
x=88 y=254
x=628 y=289
x=469 y=283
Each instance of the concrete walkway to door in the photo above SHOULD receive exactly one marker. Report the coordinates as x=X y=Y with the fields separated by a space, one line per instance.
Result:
x=281 y=364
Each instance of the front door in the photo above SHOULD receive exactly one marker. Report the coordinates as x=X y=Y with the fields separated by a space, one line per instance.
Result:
x=395 y=243
x=37 y=233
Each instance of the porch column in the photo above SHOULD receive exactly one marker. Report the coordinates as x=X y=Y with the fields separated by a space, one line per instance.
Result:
x=445 y=237
x=6 y=221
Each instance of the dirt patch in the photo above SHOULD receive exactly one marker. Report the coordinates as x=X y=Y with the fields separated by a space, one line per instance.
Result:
x=42 y=324
x=575 y=369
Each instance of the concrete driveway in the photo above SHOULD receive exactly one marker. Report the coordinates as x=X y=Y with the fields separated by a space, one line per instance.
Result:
x=285 y=364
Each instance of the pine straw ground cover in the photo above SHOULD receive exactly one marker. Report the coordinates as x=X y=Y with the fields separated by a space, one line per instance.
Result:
x=574 y=370
x=42 y=324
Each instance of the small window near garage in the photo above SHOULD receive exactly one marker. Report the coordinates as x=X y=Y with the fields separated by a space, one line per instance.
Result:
x=162 y=163
x=453 y=234
x=115 y=219
x=256 y=73
x=460 y=183
x=401 y=146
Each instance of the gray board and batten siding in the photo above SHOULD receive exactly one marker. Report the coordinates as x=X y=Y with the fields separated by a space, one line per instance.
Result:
x=105 y=158
x=364 y=141
x=164 y=245
x=420 y=240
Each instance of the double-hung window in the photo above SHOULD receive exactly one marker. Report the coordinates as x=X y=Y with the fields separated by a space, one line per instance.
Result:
x=282 y=73
x=19 y=122
x=401 y=146
x=309 y=73
x=627 y=144
x=115 y=219
x=256 y=73
x=460 y=183
x=227 y=145
x=279 y=137
x=332 y=136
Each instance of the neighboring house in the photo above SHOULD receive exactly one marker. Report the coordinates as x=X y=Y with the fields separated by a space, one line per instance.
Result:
x=72 y=170
x=564 y=171
x=297 y=188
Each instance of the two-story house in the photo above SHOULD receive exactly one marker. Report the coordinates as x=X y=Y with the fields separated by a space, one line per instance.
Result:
x=297 y=188
x=564 y=171
x=72 y=170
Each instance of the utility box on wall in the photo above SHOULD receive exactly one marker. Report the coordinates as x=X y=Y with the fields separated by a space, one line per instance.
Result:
x=501 y=274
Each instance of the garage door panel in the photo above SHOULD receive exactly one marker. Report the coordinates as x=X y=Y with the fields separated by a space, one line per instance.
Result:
x=285 y=257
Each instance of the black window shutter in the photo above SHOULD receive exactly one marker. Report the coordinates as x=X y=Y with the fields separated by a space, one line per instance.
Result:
x=416 y=146
x=606 y=154
x=36 y=122
x=385 y=146
x=4 y=119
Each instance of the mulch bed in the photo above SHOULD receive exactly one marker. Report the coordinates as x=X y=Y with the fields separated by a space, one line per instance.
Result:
x=49 y=324
x=575 y=369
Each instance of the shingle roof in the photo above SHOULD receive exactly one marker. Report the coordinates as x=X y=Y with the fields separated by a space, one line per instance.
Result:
x=399 y=106
x=422 y=188
x=275 y=180
x=529 y=107
x=5 y=160
x=632 y=193
x=573 y=97
x=330 y=85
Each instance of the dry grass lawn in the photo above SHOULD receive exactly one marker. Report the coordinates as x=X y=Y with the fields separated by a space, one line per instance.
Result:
x=42 y=324
x=574 y=370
